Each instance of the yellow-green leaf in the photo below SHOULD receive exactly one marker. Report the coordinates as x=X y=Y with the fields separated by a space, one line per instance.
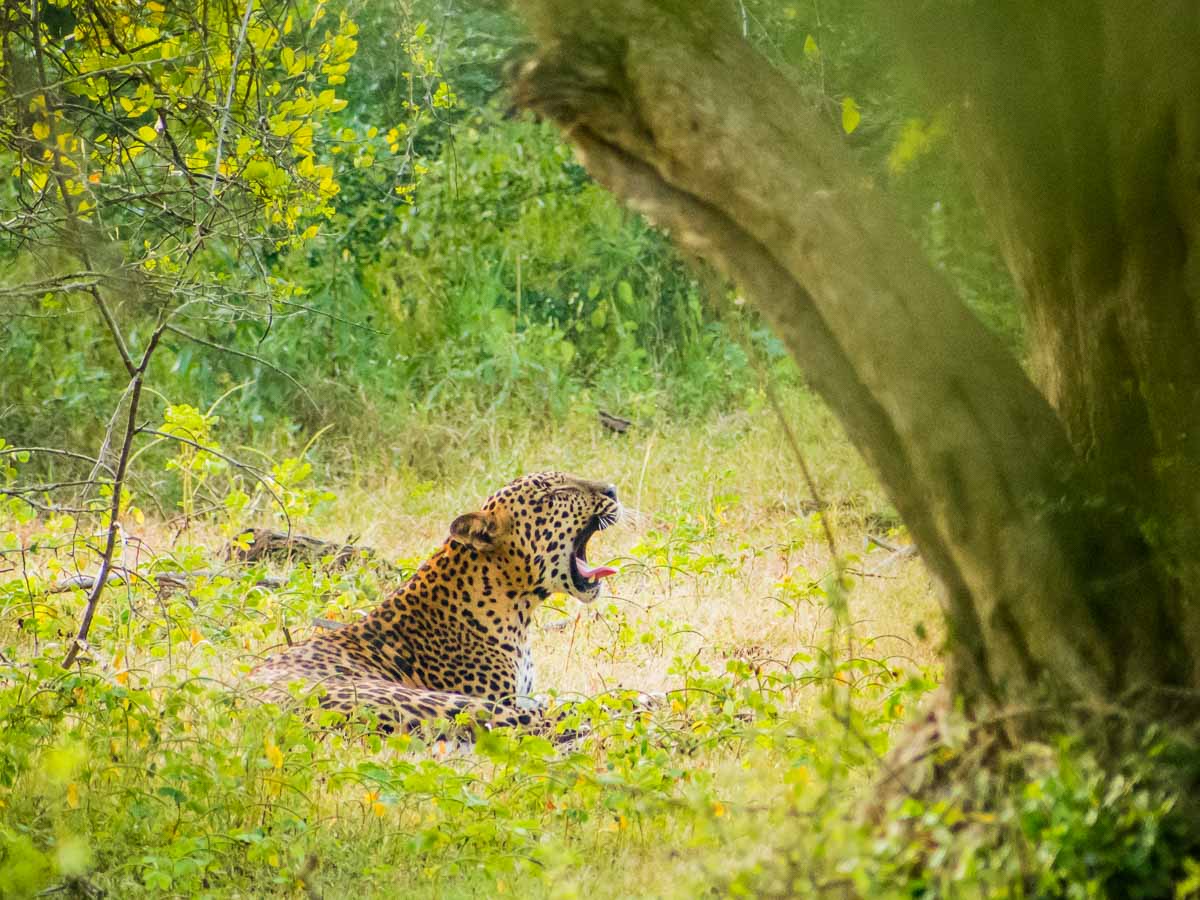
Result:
x=147 y=134
x=811 y=50
x=273 y=753
x=916 y=139
x=293 y=64
x=850 y=115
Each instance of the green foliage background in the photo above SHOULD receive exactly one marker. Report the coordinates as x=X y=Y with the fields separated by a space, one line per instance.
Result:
x=469 y=269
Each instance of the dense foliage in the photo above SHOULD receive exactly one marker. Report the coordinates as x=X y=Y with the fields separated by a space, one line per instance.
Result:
x=421 y=250
x=152 y=768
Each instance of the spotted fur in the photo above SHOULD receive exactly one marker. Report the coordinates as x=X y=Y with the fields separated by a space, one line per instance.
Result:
x=454 y=639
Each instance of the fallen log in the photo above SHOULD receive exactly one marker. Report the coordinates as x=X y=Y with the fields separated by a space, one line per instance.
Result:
x=287 y=547
x=614 y=423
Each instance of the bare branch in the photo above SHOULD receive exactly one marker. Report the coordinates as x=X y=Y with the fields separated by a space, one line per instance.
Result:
x=61 y=284
x=158 y=579
x=54 y=451
x=237 y=53
x=118 y=484
x=113 y=329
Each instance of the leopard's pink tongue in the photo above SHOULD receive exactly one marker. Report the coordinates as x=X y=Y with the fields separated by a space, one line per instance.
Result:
x=593 y=574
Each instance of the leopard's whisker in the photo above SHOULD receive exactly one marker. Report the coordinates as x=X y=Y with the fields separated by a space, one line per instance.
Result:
x=632 y=518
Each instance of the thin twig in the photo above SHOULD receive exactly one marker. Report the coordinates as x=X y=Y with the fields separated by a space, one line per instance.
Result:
x=106 y=314
x=823 y=513
x=56 y=452
x=59 y=284
x=768 y=386
x=237 y=54
x=159 y=579
x=118 y=484
x=103 y=453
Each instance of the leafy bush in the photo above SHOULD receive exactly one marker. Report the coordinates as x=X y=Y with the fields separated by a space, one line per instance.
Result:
x=465 y=266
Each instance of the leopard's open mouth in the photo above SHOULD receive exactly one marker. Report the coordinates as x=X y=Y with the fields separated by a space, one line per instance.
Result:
x=585 y=578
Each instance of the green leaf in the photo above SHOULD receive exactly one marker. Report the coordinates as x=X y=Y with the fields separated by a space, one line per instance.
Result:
x=811 y=51
x=625 y=293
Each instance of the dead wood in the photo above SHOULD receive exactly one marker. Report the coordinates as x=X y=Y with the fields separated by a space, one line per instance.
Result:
x=288 y=548
x=614 y=423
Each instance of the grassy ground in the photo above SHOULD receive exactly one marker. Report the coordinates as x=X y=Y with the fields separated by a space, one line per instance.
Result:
x=718 y=519
x=153 y=772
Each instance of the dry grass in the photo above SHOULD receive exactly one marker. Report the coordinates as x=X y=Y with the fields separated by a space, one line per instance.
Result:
x=719 y=546
x=726 y=500
x=723 y=558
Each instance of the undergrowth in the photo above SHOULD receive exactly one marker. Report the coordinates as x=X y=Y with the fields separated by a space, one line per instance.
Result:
x=151 y=768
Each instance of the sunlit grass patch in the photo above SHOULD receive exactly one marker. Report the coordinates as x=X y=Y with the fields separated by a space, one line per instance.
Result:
x=155 y=769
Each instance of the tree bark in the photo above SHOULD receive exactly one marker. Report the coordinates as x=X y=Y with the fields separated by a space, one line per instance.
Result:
x=1081 y=122
x=675 y=113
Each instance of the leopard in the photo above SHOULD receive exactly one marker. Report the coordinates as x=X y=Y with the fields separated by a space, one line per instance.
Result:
x=452 y=644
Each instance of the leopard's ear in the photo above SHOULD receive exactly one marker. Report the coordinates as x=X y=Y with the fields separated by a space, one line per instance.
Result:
x=481 y=531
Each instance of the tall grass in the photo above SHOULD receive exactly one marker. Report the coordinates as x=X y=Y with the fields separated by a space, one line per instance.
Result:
x=157 y=744
x=153 y=769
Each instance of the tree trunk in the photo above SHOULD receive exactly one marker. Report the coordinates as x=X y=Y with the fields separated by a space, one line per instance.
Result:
x=1088 y=166
x=1047 y=513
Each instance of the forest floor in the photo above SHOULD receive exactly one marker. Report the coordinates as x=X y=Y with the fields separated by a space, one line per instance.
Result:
x=720 y=547
x=140 y=774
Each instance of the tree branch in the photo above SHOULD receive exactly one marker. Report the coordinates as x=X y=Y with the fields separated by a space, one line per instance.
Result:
x=118 y=483
x=237 y=53
x=683 y=121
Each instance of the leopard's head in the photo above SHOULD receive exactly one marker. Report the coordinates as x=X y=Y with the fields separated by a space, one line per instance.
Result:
x=536 y=529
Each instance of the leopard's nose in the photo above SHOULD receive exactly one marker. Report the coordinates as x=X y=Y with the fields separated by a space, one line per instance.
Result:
x=609 y=491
